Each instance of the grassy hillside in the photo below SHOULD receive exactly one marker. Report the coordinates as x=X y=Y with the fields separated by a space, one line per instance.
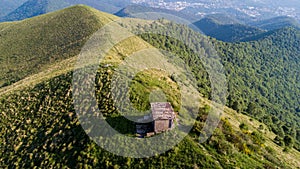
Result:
x=29 y=46
x=226 y=32
x=39 y=126
x=46 y=132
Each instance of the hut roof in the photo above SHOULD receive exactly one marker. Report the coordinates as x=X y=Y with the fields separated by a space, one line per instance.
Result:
x=162 y=111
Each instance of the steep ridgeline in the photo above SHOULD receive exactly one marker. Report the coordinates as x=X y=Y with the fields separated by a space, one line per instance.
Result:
x=30 y=46
x=39 y=126
x=33 y=8
x=227 y=32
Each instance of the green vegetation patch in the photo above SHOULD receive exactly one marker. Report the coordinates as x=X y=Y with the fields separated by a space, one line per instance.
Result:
x=150 y=81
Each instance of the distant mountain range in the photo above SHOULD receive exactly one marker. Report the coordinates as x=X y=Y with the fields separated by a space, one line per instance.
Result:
x=227 y=26
x=33 y=8
x=7 y=6
x=276 y=23
x=135 y=10
x=244 y=11
x=221 y=26
x=226 y=29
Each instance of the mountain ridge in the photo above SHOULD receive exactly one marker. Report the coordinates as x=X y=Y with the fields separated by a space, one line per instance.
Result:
x=55 y=36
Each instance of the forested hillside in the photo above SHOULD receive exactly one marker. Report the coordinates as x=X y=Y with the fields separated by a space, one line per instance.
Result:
x=263 y=78
x=39 y=125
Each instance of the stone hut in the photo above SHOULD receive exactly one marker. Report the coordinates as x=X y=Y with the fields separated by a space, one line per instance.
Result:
x=161 y=119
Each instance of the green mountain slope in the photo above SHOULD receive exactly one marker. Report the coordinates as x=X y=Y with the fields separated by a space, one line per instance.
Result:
x=39 y=126
x=47 y=133
x=262 y=78
x=226 y=32
x=44 y=40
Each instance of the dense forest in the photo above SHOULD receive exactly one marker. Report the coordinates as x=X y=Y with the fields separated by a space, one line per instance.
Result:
x=263 y=76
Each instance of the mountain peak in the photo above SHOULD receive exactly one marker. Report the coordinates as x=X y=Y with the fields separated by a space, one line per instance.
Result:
x=54 y=36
